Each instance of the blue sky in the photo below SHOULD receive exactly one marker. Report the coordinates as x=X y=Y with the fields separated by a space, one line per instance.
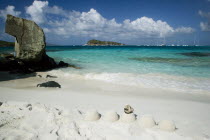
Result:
x=70 y=22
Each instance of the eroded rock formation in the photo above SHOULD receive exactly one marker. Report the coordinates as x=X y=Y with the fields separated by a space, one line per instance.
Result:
x=30 y=38
x=30 y=54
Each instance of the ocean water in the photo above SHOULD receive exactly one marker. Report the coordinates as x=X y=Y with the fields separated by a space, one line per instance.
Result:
x=152 y=67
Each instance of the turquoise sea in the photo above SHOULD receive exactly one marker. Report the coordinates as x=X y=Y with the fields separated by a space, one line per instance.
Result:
x=155 y=67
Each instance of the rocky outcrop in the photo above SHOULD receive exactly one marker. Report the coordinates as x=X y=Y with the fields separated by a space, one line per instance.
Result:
x=30 y=54
x=30 y=38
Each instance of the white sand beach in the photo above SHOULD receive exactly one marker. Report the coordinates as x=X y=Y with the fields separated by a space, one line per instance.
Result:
x=30 y=112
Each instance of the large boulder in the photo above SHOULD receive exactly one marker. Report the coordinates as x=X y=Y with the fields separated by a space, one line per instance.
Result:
x=30 y=55
x=30 y=38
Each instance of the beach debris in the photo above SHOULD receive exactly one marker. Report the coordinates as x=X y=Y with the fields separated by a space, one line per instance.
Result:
x=167 y=125
x=92 y=115
x=1 y=103
x=128 y=109
x=49 y=84
x=146 y=121
x=111 y=116
x=50 y=76
x=128 y=117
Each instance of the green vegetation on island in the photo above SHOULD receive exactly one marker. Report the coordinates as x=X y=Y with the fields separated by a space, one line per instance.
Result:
x=6 y=44
x=103 y=43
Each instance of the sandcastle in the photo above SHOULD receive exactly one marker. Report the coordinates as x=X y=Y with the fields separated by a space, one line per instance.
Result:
x=128 y=116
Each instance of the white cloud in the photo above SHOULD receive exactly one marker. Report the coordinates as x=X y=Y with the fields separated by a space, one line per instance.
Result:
x=46 y=30
x=39 y=9
x=92 y=24
x=204 y=14
x=205 y=26
x=36 y=11
x=9 y=10
x=184 y=30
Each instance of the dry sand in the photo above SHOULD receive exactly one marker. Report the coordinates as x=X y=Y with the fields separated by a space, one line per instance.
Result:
x=29 y=112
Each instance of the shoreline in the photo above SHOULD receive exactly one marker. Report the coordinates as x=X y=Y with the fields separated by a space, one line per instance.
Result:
x=29 y=82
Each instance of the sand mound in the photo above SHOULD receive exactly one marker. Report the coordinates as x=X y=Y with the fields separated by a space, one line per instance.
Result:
x=92 y=115
x=42 y=122
x=167 y=125
x=111 y=116
x=146 y=121
x=128 y=118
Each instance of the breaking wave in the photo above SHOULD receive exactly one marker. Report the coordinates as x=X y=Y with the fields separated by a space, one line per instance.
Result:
x=151 y=80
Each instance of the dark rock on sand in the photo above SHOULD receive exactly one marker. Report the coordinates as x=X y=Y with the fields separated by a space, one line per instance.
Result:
x=1 y=103
x=50 y=76
x=15 y=65
x=49 y=84
x=196 y=54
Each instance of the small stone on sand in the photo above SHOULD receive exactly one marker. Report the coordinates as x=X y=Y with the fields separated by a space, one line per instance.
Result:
x=128 y=109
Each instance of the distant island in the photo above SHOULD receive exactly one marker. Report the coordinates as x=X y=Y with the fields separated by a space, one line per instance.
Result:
x=6 y=44
x=103 y=43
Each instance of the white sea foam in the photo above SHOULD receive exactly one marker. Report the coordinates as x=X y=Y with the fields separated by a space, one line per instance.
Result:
x=150 y=80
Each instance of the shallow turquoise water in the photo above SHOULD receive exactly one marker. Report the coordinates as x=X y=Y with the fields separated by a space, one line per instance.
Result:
x=152 y=67
x=166 y=60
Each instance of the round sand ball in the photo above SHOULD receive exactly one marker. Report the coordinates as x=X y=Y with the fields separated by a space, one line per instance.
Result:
x=111 y=116
x=92 y=115
x=128 y=117
x=167 y=125
x=146 y=121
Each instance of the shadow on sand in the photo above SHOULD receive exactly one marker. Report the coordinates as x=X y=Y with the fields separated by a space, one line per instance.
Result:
x=6 y=76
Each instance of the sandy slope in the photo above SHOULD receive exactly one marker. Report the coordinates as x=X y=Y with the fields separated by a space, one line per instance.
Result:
x=40 y=113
